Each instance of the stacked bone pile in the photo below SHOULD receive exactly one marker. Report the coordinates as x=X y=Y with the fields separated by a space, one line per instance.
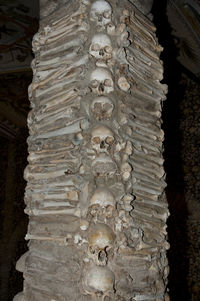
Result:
x=95 y=176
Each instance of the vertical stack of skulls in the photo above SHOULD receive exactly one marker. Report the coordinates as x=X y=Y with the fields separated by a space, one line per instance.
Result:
x=94 y=195
x=98 y=278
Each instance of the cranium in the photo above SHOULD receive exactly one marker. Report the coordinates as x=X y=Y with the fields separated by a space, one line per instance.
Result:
x=102 y=203
x=102 y=138
x=102 y=107
x=101 y=240
x=101 y=81
x=101 y=12
x=103 y=165
x=98 y=281
x=101 y=47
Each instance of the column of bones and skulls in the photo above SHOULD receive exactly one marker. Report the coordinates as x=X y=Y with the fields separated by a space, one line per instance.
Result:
x=95 y=179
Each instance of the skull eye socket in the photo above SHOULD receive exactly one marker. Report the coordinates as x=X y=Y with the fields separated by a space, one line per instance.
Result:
x=107 y=14
x=101 y=52
x=92 y=250
x=96 y=140
x=108 y=49
x=108 y=82
x=95 y=47
x=94 y=83
x=109 y=140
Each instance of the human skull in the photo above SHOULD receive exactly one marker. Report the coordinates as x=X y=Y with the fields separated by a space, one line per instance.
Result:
x=102 y=107
x=102 y=138
x=101 y=240
x=101 y=13
x=103 y=165
x=98 y=281
x=101 y=47
x=102 y=203
x=101 y=81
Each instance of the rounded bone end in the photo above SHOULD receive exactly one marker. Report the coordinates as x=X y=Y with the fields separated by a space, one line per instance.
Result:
x=20 y=264
x=19 y=297
x=84 y=224
x=123 y=84
x=99 y=279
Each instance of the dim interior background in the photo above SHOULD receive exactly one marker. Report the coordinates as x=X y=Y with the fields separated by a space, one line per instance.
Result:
x=178 y=25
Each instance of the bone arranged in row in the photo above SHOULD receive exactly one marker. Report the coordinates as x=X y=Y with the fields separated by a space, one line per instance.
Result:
x=163 y=238
x=50 y=260
x=102 y=108
x=50 y=199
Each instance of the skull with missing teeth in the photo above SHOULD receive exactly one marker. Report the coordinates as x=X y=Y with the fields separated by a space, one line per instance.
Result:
x=102 y=107
x=102 y=138
x=101 y=81
x=100 y=13
x=102 y=204
x=101 y=240
x=100 y=47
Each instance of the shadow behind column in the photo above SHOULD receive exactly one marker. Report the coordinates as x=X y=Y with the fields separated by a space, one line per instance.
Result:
x=177 y=237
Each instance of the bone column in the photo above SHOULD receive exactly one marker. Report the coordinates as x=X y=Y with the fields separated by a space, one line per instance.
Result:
x=95 y=199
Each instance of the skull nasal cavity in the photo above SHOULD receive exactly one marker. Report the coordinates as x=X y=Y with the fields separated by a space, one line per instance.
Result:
x=100 y=18
x=101 y=87
x=101 y=52
x=102 y=144
x=102 y=256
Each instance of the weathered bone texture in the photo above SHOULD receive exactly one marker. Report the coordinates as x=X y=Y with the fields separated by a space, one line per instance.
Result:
x=95 y=178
